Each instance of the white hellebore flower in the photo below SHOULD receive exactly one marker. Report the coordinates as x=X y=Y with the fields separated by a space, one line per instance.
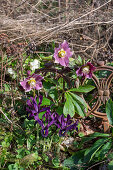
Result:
x=35 y=64
x=11 y=71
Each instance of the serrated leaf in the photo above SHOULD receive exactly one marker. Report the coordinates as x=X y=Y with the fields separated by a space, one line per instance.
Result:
x=68 y=107
x=78 y=108
x=80 y=100
x=83 y=89
x=109 y=111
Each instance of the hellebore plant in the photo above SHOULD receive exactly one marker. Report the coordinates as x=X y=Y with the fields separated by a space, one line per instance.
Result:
x=32 y=82
x=86 y=70
x=62 y=54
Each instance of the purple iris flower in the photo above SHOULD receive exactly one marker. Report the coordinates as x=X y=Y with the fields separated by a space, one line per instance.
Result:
x=32 y=82
x=86 y=70
x=33 y=109
x=62 y=54
x=45 y=123
x=55 y=116
x=49 y=119
x=66 y=124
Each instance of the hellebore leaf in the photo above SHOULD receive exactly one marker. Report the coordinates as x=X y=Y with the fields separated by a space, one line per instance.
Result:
x=109 y=111
x=68 y=106
x=80 y=101
x=83 y=89
x=78 y=107
x=74 y=103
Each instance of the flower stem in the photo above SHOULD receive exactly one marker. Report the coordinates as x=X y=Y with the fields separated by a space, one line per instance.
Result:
x=58 y=148
x=51 y=141
x=37 y=138
x=34 y=93
x=44 y=145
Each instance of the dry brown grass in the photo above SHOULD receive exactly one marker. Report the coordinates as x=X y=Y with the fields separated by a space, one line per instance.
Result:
x=86 y=25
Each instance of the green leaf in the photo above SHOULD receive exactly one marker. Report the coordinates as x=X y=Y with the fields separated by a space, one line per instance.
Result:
x=83 y=89
x=93 y=136
x=29 y=159
x=79 y=61
x=75 y=160
x=53 y=93
x=45 y=101
x=7 y=87
x=110 y=165
x=56 y=162
x=80 y=100
x=90 y=152
x=104 y=150
x=109 y=111
x=78 y=108
x=59 y=110
x=74 y=103
x=68 y=106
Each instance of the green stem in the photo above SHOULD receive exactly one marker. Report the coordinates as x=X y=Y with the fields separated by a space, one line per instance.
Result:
x=51 y=142
x=112 y=132
x=44 y=145
x=37 y=138
x=58 y=148
x=34 y=93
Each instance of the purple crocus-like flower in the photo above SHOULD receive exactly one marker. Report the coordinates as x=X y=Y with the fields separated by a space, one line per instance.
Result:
x=62 y=54
x=32 y=82
x=86 y=70
x=34 y=109
x=48 y=119
x=66 y=124
x=45 y=124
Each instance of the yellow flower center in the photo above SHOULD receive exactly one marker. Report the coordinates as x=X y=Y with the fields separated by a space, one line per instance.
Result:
x=61 y=53
x=85 y=69
x=32 y=82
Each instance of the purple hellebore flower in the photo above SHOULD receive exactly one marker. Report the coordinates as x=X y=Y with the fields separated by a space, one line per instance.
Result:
x=66 y=124
x=86 y=70
x=32 y=82
x=62 y=54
